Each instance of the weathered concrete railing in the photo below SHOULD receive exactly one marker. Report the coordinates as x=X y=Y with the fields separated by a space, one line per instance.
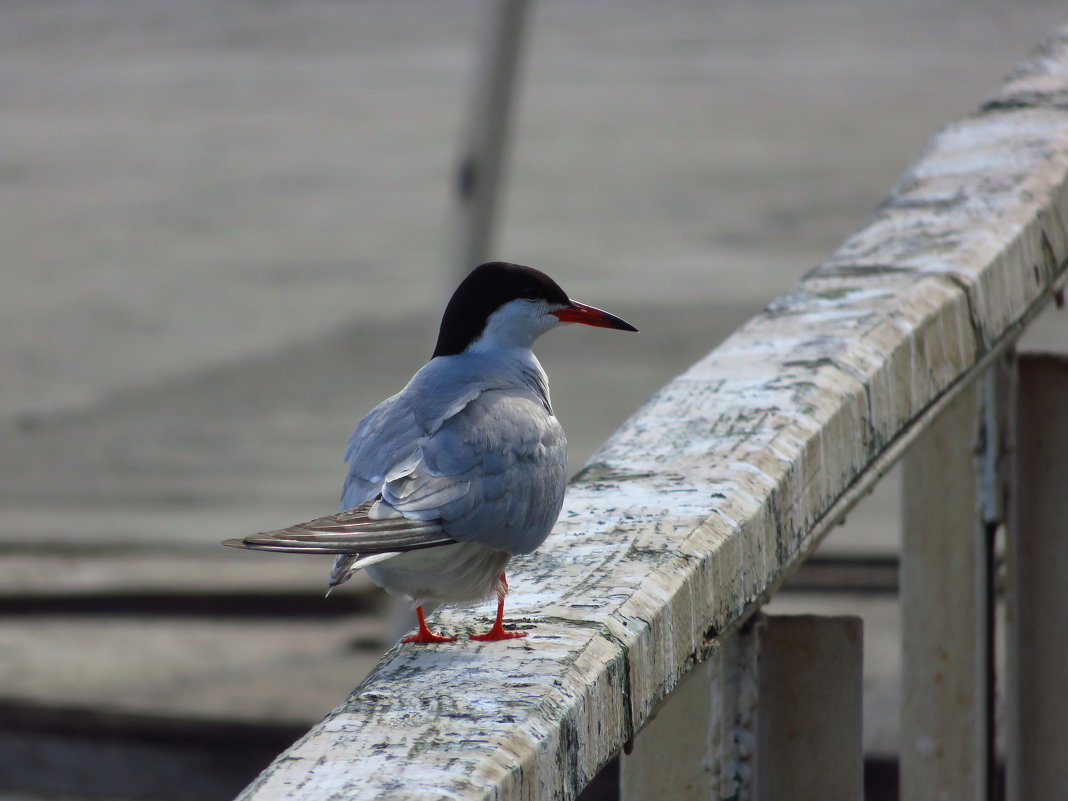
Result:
x=715 y=490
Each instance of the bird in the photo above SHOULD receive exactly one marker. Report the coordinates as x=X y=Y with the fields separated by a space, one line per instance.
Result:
x=465 y=467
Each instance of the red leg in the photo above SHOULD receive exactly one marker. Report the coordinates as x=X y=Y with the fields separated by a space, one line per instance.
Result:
x=424 y=634
x=498 y=632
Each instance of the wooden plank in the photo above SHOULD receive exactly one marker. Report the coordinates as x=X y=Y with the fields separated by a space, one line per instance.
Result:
x=110 y=571
x=1038 y=593
x=809 y=720
x=90 y=753
x=944 y=600
x=185 y=668
x=712 y=492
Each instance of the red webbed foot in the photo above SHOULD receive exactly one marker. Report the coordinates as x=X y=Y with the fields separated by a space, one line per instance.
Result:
x=498 y=631
x=425 y=635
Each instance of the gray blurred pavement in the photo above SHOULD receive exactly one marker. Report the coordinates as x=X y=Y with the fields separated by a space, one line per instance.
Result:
x=225 y=225
x=224 y=230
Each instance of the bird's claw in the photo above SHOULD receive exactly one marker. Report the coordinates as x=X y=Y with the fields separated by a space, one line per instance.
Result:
x=426 y=637
x=498 y=632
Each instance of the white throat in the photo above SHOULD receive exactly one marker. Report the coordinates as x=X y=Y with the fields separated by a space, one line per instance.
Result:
x=515 y=326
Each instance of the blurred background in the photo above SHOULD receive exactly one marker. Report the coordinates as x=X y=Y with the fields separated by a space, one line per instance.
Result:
x=225 y=230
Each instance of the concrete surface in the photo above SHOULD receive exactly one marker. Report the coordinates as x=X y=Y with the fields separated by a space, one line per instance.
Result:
x=224 y=234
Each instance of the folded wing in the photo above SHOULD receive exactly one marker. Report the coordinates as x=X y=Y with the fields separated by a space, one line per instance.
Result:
x=351 y=531
x=494 y=473
x=451 y=458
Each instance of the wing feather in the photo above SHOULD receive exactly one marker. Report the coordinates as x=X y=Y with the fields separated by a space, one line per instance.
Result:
x=351 y=531
x=511 y=490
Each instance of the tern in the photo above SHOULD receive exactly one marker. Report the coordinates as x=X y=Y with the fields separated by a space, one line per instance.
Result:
x=463 y=468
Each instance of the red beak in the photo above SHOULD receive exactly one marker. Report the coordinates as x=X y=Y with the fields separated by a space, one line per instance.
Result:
x=588 y=315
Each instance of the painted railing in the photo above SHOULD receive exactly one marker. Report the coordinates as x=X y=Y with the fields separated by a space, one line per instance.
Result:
x=642 y=602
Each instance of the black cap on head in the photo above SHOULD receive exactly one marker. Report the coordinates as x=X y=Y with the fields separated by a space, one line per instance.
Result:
x=486 y=289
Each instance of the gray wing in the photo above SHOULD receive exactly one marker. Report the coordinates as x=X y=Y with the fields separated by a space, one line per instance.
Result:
x=493 y=473
x=453 y=459
x=388 y=438
x=352 y=531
